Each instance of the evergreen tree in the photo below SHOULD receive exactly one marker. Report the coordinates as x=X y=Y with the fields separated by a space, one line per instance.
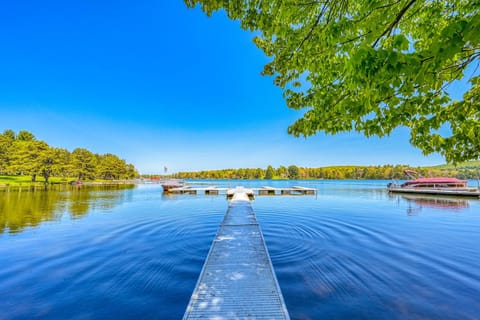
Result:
x=269 y=173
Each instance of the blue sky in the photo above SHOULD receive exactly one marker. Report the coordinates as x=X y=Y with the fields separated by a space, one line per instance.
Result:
x=159 y=85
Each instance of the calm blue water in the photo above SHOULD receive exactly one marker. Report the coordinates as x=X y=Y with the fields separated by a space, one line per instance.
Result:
x=351 y=252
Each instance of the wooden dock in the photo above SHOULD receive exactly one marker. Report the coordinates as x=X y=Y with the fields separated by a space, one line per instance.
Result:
x=237 y=280
x=251 y=192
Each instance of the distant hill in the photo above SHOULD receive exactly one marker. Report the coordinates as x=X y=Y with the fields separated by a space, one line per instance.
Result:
x=465 y=170
x=468 y=170
x=468 y=164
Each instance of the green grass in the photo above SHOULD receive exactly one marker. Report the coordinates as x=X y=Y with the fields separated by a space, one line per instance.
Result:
x=40 y=181
x=27 y=180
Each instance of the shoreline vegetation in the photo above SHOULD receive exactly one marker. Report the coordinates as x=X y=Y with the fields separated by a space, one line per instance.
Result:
x=7 y=181
x=26 y=160
x=467 y=170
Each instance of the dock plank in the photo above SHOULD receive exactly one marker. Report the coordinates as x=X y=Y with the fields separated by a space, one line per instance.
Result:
x=237 y=280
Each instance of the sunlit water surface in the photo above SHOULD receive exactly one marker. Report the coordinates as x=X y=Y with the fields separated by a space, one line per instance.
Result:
x=351 y=252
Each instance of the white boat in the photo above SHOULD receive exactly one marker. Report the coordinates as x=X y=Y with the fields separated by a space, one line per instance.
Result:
x=171 y=184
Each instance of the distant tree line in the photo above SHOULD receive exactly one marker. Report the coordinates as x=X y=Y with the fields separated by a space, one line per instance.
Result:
x=335 y=172
x=23 y=154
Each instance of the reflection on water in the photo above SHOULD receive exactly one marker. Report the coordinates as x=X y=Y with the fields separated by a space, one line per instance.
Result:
x=21 y=208
x=352 y=252
x=417 y=202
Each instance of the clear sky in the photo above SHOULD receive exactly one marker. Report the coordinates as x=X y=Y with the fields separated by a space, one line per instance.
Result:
x=159 y=85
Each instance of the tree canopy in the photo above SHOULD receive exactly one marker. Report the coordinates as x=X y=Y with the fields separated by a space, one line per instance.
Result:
x=23 y=154
x=372 y=66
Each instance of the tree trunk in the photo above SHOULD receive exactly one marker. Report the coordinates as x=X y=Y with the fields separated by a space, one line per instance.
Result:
x=46 y=175
x=34 y=177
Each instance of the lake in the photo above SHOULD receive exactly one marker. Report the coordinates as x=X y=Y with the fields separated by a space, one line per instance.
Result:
x=351 y=252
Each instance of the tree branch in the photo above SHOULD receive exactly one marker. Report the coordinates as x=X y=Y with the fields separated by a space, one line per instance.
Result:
x=462 y=65
x=315 y=24
x=394 y=22
x=356 y=38
x=294 y=3
x=377 y=8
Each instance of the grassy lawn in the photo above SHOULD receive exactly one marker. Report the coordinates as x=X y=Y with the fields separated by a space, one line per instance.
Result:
x=27 y=180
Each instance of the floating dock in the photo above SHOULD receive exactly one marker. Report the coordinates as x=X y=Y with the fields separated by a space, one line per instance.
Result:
x=237 y=280
x=251 y=192
x=461 y=192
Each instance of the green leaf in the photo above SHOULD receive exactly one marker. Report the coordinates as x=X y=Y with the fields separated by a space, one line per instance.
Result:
x=370 y=65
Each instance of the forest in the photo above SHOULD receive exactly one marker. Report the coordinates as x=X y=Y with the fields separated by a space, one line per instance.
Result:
x=22 y=154
x=470 y=170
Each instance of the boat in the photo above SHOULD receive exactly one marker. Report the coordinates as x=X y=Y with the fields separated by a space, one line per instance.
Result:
x=172 y=184
x=435 y=183
x=437 y=186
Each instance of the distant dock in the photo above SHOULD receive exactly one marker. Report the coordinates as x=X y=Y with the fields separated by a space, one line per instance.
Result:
x=251 y=192
x=237 y=280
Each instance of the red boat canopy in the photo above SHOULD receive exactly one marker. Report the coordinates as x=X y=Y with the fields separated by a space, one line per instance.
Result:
x=440 y=180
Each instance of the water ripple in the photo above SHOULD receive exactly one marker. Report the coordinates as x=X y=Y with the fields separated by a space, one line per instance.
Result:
x=349 y=253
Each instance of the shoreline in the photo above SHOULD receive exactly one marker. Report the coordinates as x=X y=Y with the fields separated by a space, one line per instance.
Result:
x=41 y=184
